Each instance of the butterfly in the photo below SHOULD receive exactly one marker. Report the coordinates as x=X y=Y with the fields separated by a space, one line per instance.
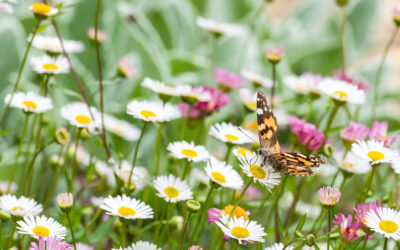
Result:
x=270 y=151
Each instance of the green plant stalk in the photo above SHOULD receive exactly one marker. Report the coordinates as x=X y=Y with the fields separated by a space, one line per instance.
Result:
x=294 y=203
x=13 y=227
x=328 y=236
x=235 y=245
x=343 y=38
x=365 y=241
x=158 y=148
x=203 y=210
x=135 y=158
x=184 y=230
x=240 y=198
x=186 y=169
x=367 y=185
x=316 y=222
x=277 y=197
x=262 y=204
x=71 y=229
x=329 y=124
x=14 y=169
x=228 y=152
x=123 y=234
x=160 y=225
x=54 y=182
x=274 y=83
x=74 y=161
x=21 y=69
x=385 y=244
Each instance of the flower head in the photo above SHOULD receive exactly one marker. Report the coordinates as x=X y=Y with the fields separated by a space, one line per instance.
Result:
x=138 y=177
x=306 y=133
x=229 y=133
x=362 y=209
x=126 y=68
x=152 y=111
x=127 y=208
x=189 y=151
x=274 y=54
x=172 y=189
x=140 y=245
x=227 y=80
x=354 y=132
x=241 y=229
x=42 y=9
x=256 y=79
x=243 y=152
x=379 y=133
x=41 y=226
x=65 y=201
x=278 y=246
x=349 y=230
x=304 y=84
x=341 y=91
x=62 y=136
x=373 y=151
x=329 y=196
x=396 y=15
x=21 y=206
x=6 y=7
x=385 y=221
x=351 y=163
x=50 y=65
x=78 y=115
x=223 y=174
x=121 y=128
x=4 y=187
x=215 y=214
x=340 y=75
x=52 y=45
x=50 y=243
x=101 y=35
x=219 y=28
x=29 y=102
x=248 y=98
x=163 y=89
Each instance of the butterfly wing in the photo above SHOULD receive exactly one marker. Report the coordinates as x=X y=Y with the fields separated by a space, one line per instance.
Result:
x=267 y=125
x=295 y=163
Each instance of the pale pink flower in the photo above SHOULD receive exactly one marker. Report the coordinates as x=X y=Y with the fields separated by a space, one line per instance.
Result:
x=50 y=243
x=340 y=75
x=126 y=68
x=379 y=133
x=349 y=229
x=227 y=80
x=306 y=133
x=101 y=35
x=329 y=196
x=354 y=132
x=362 y=209
x=274 y=53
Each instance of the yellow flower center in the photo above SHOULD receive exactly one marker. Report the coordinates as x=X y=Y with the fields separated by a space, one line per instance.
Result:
x=126 y=211
x=117 y=130
x=50 y=66
x=218 y=177
x=383 y=137
x=41 y=231
x=376 y=155
x=189 y=152
x=242 y=151
x=147 y=114
x=257 y=172
x=240 y=232
x=171 y=192
x=83 y=119
x=340 y=94
x=17 y=208
x=388 y=226
x=41 y=8
x=50 y=46
x=30 y=104
x=231 y=137
x=239 y=212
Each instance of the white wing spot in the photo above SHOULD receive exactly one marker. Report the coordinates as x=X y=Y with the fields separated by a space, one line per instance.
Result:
x=259 y=111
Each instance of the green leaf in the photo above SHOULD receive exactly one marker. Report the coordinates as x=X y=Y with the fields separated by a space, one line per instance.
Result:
x=316 y=246
x=4 y=132
x=101 y=232
x=354 y=244
x=301 y=222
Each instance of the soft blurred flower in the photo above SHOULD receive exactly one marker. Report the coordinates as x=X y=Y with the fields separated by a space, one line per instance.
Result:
x=6 y=7
x=385 y=221
x=81 y=246
x=4 y=187
x=354 y=132
x=52 y=45
x=126 y=68
x=152 y=111
x=42 y=9
x=373 y=151
x=139 y=245
x=340 y=75
x=396 y=15
x=29 y=102
x=189 y=151
x=329 y=196
x=194 y=247
x=248 y=98
x=165 y=90
x=307 y=134
x=19 y=206
x=50 y=65
x=252 y=193
x=242 y=152
x=256 y=79
x=51 y=243
x=65 y=201
x=101 y=35
x=201 y=109
x=351 y=163
x=121 y=128
x=214 y=214
x=362 y=209
x=227 y=80
x=379 y=133
x=274 y=54
x=62 y=136
x=78 y=114
x=349 y=230
x=278 y=246
x=305 y=84
x=123 y=171
x=341 y=91
x=219 y=28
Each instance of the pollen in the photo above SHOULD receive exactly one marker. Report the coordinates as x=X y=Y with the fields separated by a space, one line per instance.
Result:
x=340 y=94
x=257 y=171
x=41 y=231
x=30 y=104
x=388 y=226
x=50 y=66
x=41 y=8
x=218 y=177
x=240 y=232
x=147 y=113
x=189 y=152
x=83 y=119
x=231 y=137
x=239 y=212
x=126 y=211
x=171 y=192
x=376 y=155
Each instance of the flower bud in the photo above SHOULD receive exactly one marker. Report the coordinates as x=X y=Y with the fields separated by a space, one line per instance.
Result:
x=56 y=161
x=298 y=234
x=85 y=133
x=274 y=54
x=334 y=235
x=396 y=15
x=101 y=35
x=4 y=216
x=342 y=2
x=310 y=239
x=62 y=136
x=65 y=201
x=193 y=206
x=176 y=222
x=194 y=247
x=327 y=150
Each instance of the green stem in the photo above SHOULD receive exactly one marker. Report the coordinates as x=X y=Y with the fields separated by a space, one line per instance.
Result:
x=160 y=225
x=367 y=185
x=21 y=69
x=365 y=241
x=235 y=245
x=135 y=158
x=203 y=210
x=294 y=203
x=329 y=124
x=385 y=244
x=273 y=85
x=158 y=148
x=52 y=188
x=145 y=229
x=314 y=226
x=9 y=242
x=70 y=227
x=185 y=229
x=123 y=234
x=343 y=182
x=379 y=72
x=228 y=152
x=74 y=162
x=14 y=169
x=328 y=236
x=343 y=38
x=186 y=169
x=240 y=198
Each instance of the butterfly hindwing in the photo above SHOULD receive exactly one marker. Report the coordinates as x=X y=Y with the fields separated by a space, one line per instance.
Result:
x=295 y=163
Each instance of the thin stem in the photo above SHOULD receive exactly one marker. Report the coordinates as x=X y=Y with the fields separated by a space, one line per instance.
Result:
x=70 y=227
x=294 y=203
x=365 y=241
x=273 y=85
x=99 y=69
x=13 y=227
x=185 y=229
x=203 y=210
x=329 y=124
x=123 y=235
x=367 y=185
x=328 y=236
x=135 y=157
x=343 y=182
x=379 y=72
x=162 y=217
x=235 y=245
x=74 y=162
x=186 y=169
x=385 y=243
x=240 y=198
x=343 y=38
x=14 y=169
x=228 y=152
x=158 y=148
x=21 y=69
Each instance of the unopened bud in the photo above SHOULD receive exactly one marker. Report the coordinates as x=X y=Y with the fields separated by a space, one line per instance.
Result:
x=65 y=201
x=85 y=133
x=342 y=2
x=274 y=54
x=334 y=235
x=62 y=136
x=310 y=239
x=193 y=206
x=4 y=216
x=176 y=222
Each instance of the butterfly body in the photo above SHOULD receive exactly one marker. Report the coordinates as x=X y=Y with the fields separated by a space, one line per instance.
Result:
x=287 y=163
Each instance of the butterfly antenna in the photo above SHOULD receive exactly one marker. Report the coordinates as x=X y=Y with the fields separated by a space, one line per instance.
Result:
x=240 y=129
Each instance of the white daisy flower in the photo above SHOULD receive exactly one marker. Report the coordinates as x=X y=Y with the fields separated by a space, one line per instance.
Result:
x=253 y=166
x=164 y=89
x=4 y=187
x=242 y=152
x=373 y=151
x=230 y=133
x=21 y=206
x=53 y=45
x=6 y=7
x=395 y=164
x=121 y=128
x=140 y=245
x=153 y=111
x=303 y=84
x=278 y=246
x=223 y=174
x=50 y=65
x=127 y=208
x=256 y=78
x=29 y=102
x=219 y=28
x=341 y=91
x=351 y=163
x=43 y=9
x=241 y=229
x=81 y=246
x=249 y=98
x=105 y=170
x=41 y=226
x=172 y=189
x=138 y=177
x=78 y=115
x=385 y=221
x=189 y=151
